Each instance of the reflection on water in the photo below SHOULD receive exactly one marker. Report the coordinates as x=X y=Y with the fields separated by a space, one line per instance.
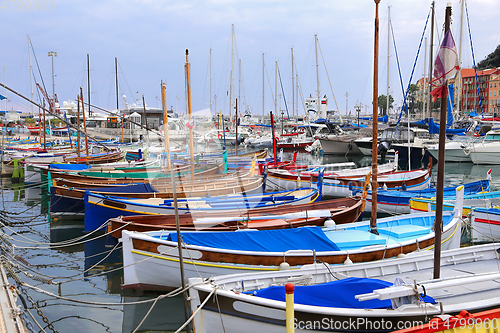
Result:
x=167 y=314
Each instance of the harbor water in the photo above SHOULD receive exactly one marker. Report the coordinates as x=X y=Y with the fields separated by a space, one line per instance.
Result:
x=72 y=281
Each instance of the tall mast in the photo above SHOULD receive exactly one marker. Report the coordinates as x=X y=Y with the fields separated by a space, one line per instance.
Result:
x=276 y=88
x=5 y=93
x=116 y=81
x=388 y=55
x=88 y=84
x=239 y=91
x=263 y=84
x=458 y=78
x=31 y=73
x=165 y=122
x=373 y=221
x=293 y=90
x=211 y=103
x=188 y=93
x=317 y=76
x=440 y=173
x=231 y=79
x=425 y=74
x=85 y=125
x=430 y=62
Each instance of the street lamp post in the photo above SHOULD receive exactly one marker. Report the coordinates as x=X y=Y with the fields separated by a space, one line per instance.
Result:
x=53 y=54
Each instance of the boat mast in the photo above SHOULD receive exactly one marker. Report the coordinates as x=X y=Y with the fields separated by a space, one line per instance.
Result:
x=276 y=88
x=88 y=84
x=188 y=92
x=293 y=90
x=31 y=73
x=84 y=125
x=165 y=121
x=373 y=220
x=388 y=56
x=430 y=63
x=211 y=103
x=425 y=74
x=116 y=83
x=231 y=79
x=458 y=78
x=317 y=76
x=440 y=174
x=263 y=85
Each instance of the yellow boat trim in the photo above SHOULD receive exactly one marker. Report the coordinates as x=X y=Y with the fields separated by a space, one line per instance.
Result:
x=127 y=210
x=204 y=264
x=444 y=241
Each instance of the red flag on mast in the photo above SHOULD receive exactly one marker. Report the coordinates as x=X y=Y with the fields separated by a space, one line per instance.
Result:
x=445 y=66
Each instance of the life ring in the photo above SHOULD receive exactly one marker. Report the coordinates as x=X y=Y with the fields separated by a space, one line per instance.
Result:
x=305 y=118
x=219 y=136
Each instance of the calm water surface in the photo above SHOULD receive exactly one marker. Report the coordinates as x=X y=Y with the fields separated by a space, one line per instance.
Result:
x=53 y=252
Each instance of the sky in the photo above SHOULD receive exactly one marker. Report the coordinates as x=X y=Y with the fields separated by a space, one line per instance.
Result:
x=149 y=40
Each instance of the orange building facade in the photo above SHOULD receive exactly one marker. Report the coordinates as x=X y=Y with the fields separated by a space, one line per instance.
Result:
x=487 y=83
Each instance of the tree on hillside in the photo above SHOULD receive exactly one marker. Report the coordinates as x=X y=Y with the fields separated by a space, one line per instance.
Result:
x=382 y=104
x=412 y=98
x=492 y=60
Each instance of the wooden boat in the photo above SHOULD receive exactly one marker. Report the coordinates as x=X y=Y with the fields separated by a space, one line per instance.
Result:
x=112 y=156
x=131 y=177
x=208 y=254
x=471 y=202
x=403 y=202
x=485 y=224
x=342 y=210
x=74 y=196
x=322 y=304
x=208 y=175
x=343 y=186
x=99 y=208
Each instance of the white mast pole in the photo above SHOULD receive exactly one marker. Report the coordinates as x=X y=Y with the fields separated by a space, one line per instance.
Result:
x=317 y=77
x=388 y=55
x=231 y=79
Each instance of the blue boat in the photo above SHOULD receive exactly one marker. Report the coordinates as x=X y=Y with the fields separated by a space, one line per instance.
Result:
x=99 y=208
x=398 y=202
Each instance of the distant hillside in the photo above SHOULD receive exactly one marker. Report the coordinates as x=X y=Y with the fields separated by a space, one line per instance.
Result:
x=492 y=60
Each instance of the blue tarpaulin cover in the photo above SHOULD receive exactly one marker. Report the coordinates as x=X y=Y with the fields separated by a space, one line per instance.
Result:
x=128 y=188
x=336 y=294
x=72 y=167
x=306 y=238
x=434 y=129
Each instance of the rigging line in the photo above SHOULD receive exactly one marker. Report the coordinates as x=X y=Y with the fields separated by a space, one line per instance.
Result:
x=473 y=58
x=55 y=115
x=197 y=310
x=116 y=269
x=39 y=71
x=48 y=293
x=405 y=105
x=329 y=81
x=269 y=81
x=29 y=241
x=283 y=91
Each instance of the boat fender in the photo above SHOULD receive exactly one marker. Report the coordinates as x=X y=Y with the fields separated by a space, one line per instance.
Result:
x=401 y=255
x=348 y=261
x=384 y=187
x=329 y=223
x=284 y=266
x=219 y=136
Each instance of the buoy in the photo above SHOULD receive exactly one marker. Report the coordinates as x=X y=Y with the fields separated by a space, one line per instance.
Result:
x=219 y=136
x=284 y=266
x=329 y=223
x=348 y=261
